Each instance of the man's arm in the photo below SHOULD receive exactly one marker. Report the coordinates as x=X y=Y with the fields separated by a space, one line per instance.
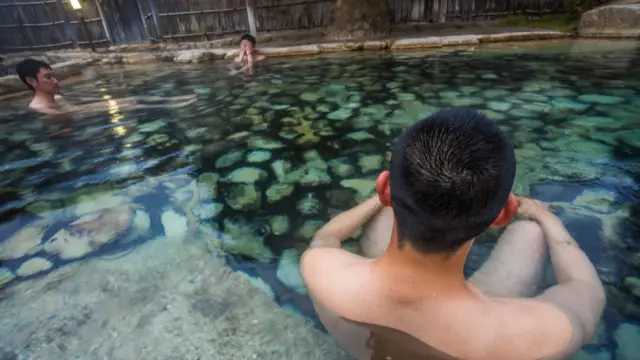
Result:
x=241 y=55
x=344 y=225
x=579 y=292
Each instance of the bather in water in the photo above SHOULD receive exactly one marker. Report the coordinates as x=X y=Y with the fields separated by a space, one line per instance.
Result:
x=40 y=78
x=450 y=179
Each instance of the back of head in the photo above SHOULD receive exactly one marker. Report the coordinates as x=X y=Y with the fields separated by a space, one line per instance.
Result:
x=451 y=175
x=249 y=38
x=30 y=68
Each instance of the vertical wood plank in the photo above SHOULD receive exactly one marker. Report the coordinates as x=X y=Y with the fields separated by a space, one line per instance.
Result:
x=144 y=21
x=22 y=20
x=105 y=26
x=444 y=8
x=251 y=16
x=71 y=34
x=154 y=14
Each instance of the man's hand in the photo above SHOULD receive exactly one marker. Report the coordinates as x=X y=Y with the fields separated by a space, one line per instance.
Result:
x=344 y=225
x=532 y=209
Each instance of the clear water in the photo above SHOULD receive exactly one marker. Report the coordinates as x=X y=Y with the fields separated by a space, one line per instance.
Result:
x=256 y=165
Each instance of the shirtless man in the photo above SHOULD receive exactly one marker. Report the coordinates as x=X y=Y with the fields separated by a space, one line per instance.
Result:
x=247 y=56
x=40 y=78
x=450 y=180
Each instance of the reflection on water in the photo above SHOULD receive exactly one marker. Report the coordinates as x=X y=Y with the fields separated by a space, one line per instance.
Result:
x=253 y=168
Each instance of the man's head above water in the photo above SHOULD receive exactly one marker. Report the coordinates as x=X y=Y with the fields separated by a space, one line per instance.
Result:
x=249 y=38
x=450 y=179
x=38 y=76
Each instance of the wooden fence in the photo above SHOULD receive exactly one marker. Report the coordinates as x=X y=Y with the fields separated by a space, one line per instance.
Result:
x=46 y=24
x=404 y=11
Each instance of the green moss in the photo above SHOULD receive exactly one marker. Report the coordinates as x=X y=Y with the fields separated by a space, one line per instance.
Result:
x=559 y=22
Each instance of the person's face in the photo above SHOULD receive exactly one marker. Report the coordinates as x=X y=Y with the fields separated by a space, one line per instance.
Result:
x=46 y=81
x=246 y=44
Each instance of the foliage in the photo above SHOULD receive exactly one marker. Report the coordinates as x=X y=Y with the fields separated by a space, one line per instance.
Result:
x=559 y=22
x=578 y=7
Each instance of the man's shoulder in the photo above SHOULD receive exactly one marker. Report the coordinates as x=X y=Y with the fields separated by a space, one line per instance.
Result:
x=332 y=275
x=536 y=325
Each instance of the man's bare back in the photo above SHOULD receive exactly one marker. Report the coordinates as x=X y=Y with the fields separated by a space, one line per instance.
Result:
x=399 y=303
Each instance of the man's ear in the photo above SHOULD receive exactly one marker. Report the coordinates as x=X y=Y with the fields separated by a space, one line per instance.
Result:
x=31 y=81
x=508 y=212
x=383 y=188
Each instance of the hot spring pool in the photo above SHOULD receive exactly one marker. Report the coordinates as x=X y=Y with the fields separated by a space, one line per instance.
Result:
x=255 y=166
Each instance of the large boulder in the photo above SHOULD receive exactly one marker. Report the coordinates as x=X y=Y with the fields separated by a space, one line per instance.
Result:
x=611 y=21
x=10 y=84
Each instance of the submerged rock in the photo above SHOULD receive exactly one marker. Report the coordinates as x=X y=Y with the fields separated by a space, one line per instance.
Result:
x=633 y=285
x=596 y=121
x=600 y=201
x=90 y=232
x=243 y=197
x=175 y=225
x=360 y=135
x=246 y=175
x=601 y=99
x=6 y=276
x=280 y=169
x=564 y=103
x=494 y=93
x=26 y=241
x=341 y=168
x=627 y=337
x=309 y=205
x=466 y=101
x=207 y=211
x=258 y=156
x=630 y=138
x=153 y=126
x=34 y=266
x=229 y=159
x=208 y=185
x=340 y=115
x=309 y=229
x=241 y=237
x=277 y=192
x=370 y=163
x=258 y=142
x=279 y=224
x=364 y=187
x=311 y=97
x=592 y=148
x=288 y=271
x=499 y=105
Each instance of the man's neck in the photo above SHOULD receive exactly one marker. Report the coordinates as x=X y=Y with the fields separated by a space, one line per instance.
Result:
x=435 y=273
x=44 y=98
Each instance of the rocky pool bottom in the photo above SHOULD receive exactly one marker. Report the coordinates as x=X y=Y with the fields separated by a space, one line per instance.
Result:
x=145 y=221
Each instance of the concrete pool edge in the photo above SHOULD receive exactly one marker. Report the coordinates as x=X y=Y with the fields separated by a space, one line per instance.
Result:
x=69 y=64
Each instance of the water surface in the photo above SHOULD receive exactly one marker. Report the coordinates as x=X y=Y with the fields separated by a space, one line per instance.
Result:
x=256 y=165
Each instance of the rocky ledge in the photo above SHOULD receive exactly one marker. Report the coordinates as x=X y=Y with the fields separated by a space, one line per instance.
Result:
x=611 y=21
x=71 y=63
x=165 y=300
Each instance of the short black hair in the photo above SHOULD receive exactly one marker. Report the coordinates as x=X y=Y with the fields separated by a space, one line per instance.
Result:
x=30 y=68
x=451 y=174
x=248 y=37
